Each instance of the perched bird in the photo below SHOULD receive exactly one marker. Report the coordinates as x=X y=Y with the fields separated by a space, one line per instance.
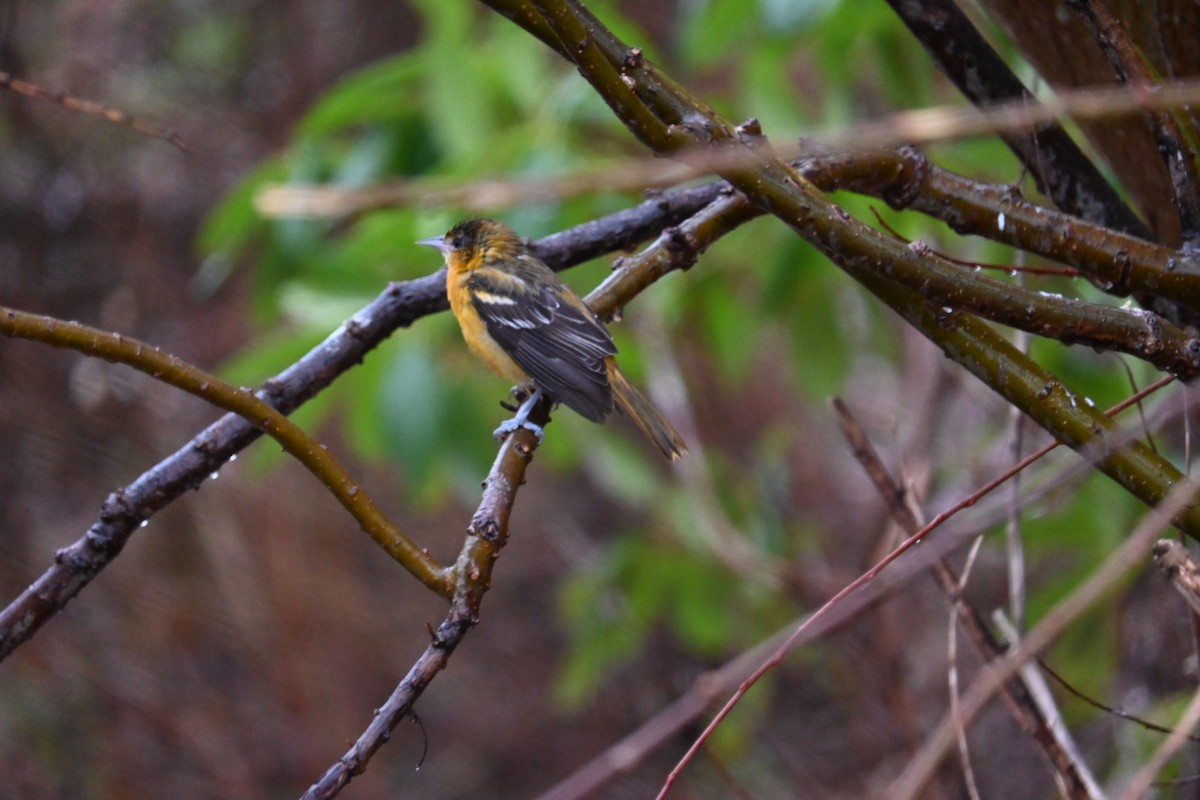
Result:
x=533 y=330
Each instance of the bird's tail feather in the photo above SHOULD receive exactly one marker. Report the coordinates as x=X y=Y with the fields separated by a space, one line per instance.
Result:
x=640 y=410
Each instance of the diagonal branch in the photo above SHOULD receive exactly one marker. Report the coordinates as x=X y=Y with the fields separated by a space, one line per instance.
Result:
x=1060 y=169
x=878 y=263
x=1130 y=70
x=1017 y=697
x=486 y=535
x=114 y=115
x=1118 y=263
x=178 y=373
x=488 y=531
x=400 y=305
x=919 y=769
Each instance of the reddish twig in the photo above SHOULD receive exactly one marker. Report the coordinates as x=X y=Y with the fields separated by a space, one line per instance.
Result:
x=1091 y=701
x=921 y=767
x=109 y=113
x=1059 y=272
x=868 y=576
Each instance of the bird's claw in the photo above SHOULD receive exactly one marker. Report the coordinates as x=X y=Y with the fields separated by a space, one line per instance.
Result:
x=521 y=420
x=511 y=425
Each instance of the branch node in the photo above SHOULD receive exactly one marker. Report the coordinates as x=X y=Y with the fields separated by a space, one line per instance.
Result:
x=681 y=246
x=487 y=529
x=273 y=388
x=205 y=443
x=100 y=539
x=1152 y=339
x=914 y=168
x=919 y=247
x=354 y=328
x=1120 y=287
x=751 y=127
x=116 y=506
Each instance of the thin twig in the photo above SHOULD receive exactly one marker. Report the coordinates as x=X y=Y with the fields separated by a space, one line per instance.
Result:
x=486 y=536
x=1014 y=544
x=960 y=734
x=182 y=375
x=400 y=305
x=1173 y=559
x=1091 y=701
x=1140 y=783
x=1043 y=699
x=109 y=113
x=1024 y=710
x=920 y=769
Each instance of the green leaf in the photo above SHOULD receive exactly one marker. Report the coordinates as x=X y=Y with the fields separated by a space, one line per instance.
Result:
x=269 y=355
x=381 y=93
x=233 y=222
x=364 y=408
x=603 y=633
x=702 y=611
x=712 y=28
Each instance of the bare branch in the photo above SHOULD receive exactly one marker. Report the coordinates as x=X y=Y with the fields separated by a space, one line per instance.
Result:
x=178 y=373
x=91 y=107
x=1022 y=706
x=1139 y=785
x=1173 y=559
x=920 y=769
x=1061 y=170
x=400 y=305
x=871 y=258
x=486 y=535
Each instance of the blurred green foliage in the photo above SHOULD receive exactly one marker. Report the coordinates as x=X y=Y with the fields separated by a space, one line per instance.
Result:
x=478 y=98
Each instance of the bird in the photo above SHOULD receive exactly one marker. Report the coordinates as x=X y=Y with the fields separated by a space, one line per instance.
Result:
x=532 y=329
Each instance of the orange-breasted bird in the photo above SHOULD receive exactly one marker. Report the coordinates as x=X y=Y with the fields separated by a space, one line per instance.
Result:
x=534 y=330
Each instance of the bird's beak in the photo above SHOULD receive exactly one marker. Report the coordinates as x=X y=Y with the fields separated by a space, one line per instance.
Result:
x=437 y=241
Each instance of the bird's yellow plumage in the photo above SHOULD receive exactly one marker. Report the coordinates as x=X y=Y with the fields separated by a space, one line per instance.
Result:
x=474 y=328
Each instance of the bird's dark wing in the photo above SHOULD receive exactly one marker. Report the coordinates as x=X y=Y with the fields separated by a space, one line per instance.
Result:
x=560 y=345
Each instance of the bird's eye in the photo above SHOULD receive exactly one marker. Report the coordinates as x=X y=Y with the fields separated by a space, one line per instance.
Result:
x=456 y=242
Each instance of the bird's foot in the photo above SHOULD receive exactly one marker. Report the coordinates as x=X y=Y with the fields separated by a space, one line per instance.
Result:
x=521 y=420
x=510 y=425
x=519 y=394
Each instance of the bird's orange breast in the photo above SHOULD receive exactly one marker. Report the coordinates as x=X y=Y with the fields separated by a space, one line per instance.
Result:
x=475 y=331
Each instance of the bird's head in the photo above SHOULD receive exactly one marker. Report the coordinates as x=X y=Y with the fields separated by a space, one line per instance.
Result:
x=475 y=241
